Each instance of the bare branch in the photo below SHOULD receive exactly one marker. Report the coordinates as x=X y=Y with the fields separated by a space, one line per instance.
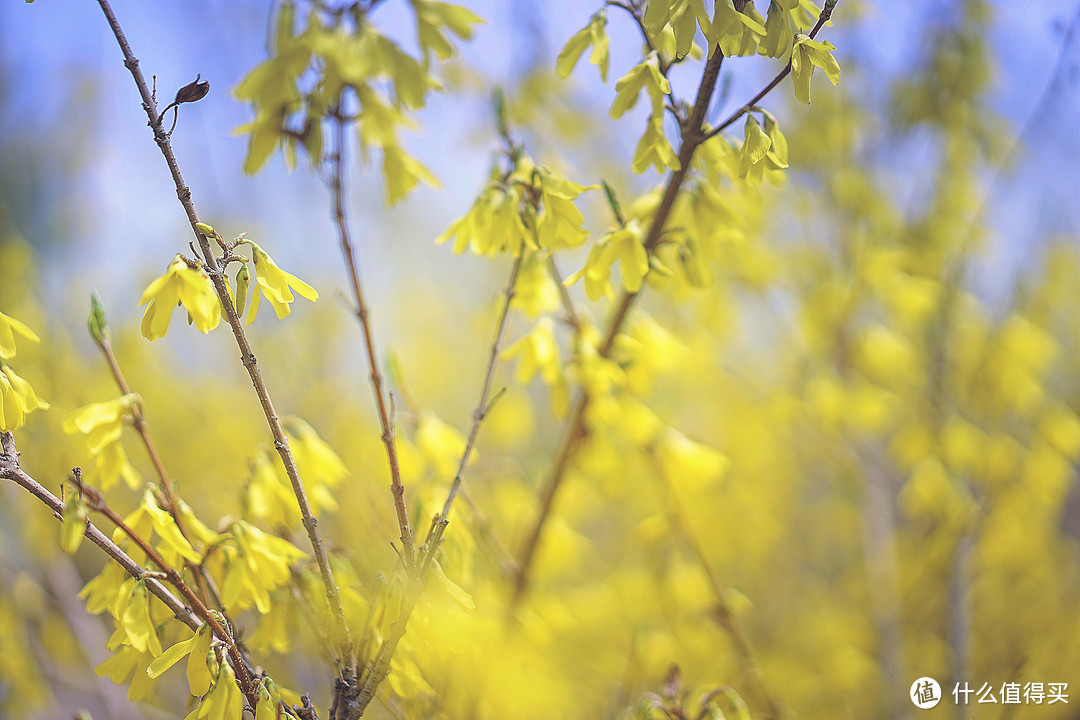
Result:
x=10 y=470
x=281 y=442
x=336 y=183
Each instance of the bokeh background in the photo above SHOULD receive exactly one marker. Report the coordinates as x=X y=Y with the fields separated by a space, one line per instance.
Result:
x=886 y=357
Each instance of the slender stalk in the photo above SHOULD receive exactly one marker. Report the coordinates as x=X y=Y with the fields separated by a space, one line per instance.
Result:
x=380 y=666
x=722 y=612
x=96 y=502
x=336 y=183
x=694 y=133
x=692 y=137
x=247 y=356
x=10 y=470
x=572 y=315
x=483 y=407
x=205 y=585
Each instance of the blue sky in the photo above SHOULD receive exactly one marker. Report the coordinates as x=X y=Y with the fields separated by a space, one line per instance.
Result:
x=70 y=103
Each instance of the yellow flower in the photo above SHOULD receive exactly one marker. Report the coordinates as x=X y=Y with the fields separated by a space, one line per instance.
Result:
x=805 y=54
x=129 y=663
x=195 y=649
x=276 y=284
x=102 y=422
x=103 y=425
x=187 y=286
x=17 y=399
x=8 y=327
x=149 y=518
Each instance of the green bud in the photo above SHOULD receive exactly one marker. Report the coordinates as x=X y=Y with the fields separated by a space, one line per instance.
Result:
x=96 y=323
x=73 y=525
x=499 y=102
x=205 y=229
x=613 y=202
x=243 y=277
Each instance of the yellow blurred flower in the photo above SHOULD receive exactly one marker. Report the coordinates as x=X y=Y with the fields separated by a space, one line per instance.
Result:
x=103 y=425
x=8 y=327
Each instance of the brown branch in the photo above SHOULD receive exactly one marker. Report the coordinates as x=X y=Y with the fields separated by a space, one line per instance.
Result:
x=138 y=422
x=483 y=406
x=281 y=442
x=693 y=135
x=11 y=470
x=572 y=315
x=722 y=612
x=639 y=19
x=96 y=502
x=380 y=666
x=336 y=183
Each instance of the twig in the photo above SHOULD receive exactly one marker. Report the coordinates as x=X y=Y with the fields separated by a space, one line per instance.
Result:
x=336 y=183
x=138 y=422
x=10 y=470
x=722 y=612
x=380 y=666
x=693 y=135
x=281 y=442
x=572 y=315
x=639 y=20
x=96 y=502
x=483 y=406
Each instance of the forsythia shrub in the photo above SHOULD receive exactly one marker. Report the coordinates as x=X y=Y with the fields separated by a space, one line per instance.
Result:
x=736 y=470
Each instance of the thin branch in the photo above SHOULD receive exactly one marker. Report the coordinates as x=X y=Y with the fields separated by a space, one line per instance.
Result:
x=380 y=666
x=693 y=135
x=336 y=183
x=205 y=584
x=826 y=13
x=483 y=406
x=10 y=470
x=572 y=315
x=639 y=20
x=722 y=612
x=281 y=442
x=96 y=502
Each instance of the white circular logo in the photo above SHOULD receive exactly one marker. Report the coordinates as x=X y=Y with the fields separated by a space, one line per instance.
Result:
x=925 y=693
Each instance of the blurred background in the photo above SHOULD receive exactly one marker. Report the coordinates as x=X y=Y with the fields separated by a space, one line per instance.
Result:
x=886 y=357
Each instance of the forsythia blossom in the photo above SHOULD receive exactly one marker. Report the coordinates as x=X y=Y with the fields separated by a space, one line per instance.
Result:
x=17 y=400
x=276 y=284
x=183 y=284
x=103 y=425
x=17 y=397
x=9 y=326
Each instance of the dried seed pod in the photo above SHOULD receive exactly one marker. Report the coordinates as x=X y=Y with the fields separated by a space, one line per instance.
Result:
x=193 y=91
